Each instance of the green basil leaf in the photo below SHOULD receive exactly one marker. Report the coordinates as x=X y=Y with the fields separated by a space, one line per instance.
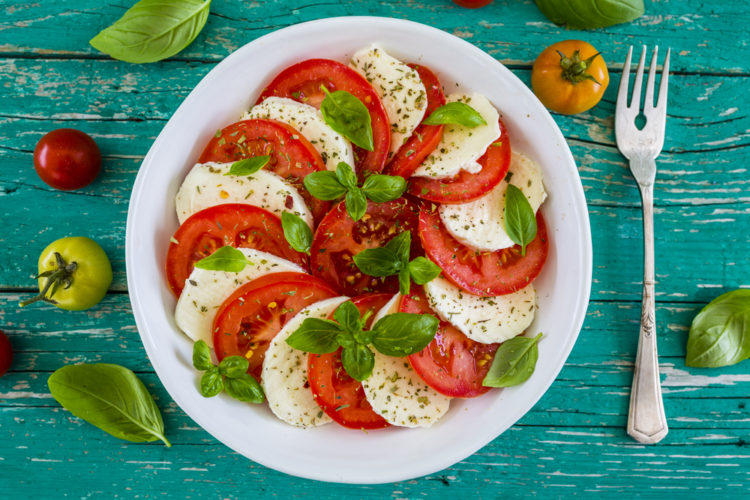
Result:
x=720 y=333
x=347 y=315
x=315 y=335
x=400 y=245
x=382 y=188
x=402 y=334
x=348 y=116
x=590 y=14
x=234 y=366
x=248 y=166
x=520 y=221
x=152 y=30
x=358 y=361
x=296 y=231
x=455 y=112
x=404 y=281
x=324 y=185
x=514 y=362
x=212 y=383
x=227 y=259
x=346 y=175
x=377 y=262
x=202 y=356
x=356 y=203
x=110 y=397
x=423 y=270
x=245 y=388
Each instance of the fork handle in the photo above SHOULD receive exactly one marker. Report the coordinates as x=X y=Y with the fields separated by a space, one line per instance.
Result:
x=647 y=422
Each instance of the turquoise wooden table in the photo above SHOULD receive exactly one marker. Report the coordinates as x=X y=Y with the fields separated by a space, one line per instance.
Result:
x=572 y=442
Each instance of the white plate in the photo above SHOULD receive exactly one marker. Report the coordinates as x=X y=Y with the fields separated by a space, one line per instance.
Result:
x=332 y=453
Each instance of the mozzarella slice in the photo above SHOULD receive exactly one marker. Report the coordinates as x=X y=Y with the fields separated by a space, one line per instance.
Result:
x=480 y=224
x=206 y=290
x=331 y=145
x=482 y=319
x=206 y=186
x=397 y=393
x=284 y=375
x=399 y=87
x=461 y=147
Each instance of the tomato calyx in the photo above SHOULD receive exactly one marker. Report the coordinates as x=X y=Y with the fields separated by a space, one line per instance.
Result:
x=574 y=69
x=61 y=275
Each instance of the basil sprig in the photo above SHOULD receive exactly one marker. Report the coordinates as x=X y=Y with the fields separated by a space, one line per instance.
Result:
x=455 y=112
x=720 y=333
x=226 y=258
x=296 y=231
x=348 y=116
x=399 y=334
x=248 y=166
x=393 y=259
x=230 y=375
x=520 y=221
x=326 y=185
x=514 y=362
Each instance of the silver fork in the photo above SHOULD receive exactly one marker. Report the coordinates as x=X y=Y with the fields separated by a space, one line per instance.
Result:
x=646 y=420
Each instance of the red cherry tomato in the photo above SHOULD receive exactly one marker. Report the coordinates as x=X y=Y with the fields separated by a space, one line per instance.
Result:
x=472 y=4
x=6 y=354
x=67 y=159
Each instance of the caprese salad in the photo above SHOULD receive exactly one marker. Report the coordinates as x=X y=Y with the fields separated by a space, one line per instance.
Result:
x=360 y=247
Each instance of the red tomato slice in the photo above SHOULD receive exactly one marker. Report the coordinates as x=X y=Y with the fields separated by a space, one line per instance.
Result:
x=232 y=224
x=452 y=364
x=302 y=82
x=292 y=156
x=464 y=186
x=483 y=273
x=426 y=137
x=340 y=396
x=252 y=316
x=338 y=238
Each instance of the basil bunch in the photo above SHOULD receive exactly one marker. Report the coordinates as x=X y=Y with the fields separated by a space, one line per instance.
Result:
x=226 y=258
x=399 y=334
x=514 y=362
x=520 y=221
x=589 y=14
x=455 y=112
x=230 y=376
x=248 y=166
x=720 y=333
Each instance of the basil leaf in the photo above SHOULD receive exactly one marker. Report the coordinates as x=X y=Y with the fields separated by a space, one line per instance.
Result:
x=234 y=366
x=346 y=175
x=245 y=388
x=152 y=30
x=324 y=185
x=110 y=397
x=455 y=112
x=202 y=356
x=400 y=245
x=520 y=221
x=347 y=315
x=248 y=166
x=356 y=203
x=382 y=188
x=358 y=361
x=404 y=282
x=346 y=114
x=514 y=362
x=423 y=270
x=589 y=14
x=212 y=383
x=227 y=259
x=378 y=262
x=720 y=333
x=296 y=231
x=402 y=334
x=315 y=335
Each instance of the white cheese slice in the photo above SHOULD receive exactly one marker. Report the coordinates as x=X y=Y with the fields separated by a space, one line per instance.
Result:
x=206 y=290
x=480 y=224
x=284 y=375
x=461 y=147
x=399 y=87
x=331 y=145
x=397 y=393
x=482 y=319
x=206 y=186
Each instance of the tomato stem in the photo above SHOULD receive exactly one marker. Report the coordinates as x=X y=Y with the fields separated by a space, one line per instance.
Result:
x=574 y=68
x=61 y=275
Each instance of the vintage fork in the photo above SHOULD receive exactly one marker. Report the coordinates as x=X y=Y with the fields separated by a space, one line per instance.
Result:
x=646 y=420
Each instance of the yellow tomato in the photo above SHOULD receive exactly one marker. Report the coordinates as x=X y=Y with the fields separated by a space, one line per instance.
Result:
x=569 y=77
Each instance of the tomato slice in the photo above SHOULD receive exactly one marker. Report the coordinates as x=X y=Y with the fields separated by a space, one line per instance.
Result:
x=292 y=156
x=340 y=396
x=452 y=363
x=232 y=224
x=464 y=186
x=482 y=273
x=302 y=82
x=338 y=238
x=426 y=137
x=252 y=316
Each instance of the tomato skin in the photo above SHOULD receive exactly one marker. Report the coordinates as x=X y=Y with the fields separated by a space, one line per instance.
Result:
x=6 y=354
x=67 y=159
x=472 y=4
x=561 y=94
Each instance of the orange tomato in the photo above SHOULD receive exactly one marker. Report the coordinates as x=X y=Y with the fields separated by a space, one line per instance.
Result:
x=569 y=77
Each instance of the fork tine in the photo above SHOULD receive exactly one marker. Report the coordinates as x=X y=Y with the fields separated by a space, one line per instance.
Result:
x=662 y=104
x=648 y=103
x=622 y=94
x=635 y=101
